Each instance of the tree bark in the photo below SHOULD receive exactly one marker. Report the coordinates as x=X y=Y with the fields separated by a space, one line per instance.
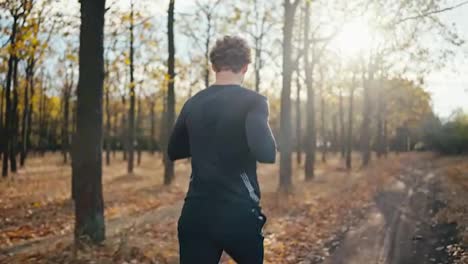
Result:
x=108 y=123
x=342 y=125
x=27 y=111
x=87 y=144
x=285 y=181
x=334 y=140
x=8 y=113
x=139 y=132
x=310 y=143
x=349 y=140
x=365 y=129
x=66 y=118
x=15 y=119
x=298 y=122
x=323 y=127
x=170 y=111
x=131 y=111
x=153 y=127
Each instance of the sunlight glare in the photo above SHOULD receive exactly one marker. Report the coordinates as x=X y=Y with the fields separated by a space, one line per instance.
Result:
x=354 y=38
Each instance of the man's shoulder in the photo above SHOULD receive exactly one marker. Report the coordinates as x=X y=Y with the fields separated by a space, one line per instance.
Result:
x=253 y=94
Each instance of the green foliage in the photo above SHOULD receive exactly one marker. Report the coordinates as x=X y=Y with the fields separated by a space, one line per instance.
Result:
x=450 y=137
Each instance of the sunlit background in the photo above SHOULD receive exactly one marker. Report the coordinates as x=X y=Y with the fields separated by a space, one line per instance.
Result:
x=448 y=84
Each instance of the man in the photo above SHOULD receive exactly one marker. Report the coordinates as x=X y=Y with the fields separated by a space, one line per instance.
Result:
x=224 y=129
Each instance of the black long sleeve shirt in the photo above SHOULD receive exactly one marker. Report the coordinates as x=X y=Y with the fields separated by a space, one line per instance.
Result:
x=224 y=129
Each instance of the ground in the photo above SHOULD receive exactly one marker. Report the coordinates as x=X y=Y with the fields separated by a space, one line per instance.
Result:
x=408 y=208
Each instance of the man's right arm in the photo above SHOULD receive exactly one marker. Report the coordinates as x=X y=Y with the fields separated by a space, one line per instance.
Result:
x=259 y=136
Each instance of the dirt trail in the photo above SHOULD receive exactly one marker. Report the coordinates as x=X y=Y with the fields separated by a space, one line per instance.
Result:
x=399 y=228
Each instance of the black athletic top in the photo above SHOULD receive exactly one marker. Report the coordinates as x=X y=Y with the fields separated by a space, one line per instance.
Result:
x=225 y=130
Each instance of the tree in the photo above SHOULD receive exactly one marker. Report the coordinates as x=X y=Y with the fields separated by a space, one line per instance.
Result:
x=170 y=103
x=87 y=143
x=298 y=121
x=67 y=92
x=349 y=138
x=310 y=112
x=131 y=111
x=285 y=183
x=19 y=12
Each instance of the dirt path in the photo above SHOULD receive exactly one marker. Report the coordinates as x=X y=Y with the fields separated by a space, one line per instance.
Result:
x=399 y=228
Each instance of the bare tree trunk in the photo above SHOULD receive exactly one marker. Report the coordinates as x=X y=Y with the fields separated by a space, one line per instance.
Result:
x=87 y=144
x=298 y=121
x=66 y=118
x=8 y=106
x=131 y=112
x=365 y=129
x=349 y=141
x=170 y=112
x=2 y=98
x=285 y=183
x=115 y=132
x=124 y=128
x=108 y=123
x=139 y=132
x=15 y=119
x=8 y=117
x=26 y=112
x=342 y=125
x=334 y=140
x=310 y=109
x=153 y=124
x=323 y=127
x=385 y=138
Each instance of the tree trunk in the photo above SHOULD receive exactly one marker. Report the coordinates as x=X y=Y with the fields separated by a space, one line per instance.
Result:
x=108 y=125
x=124 y=128
x=139 y=132
x=323 y=126
x=152 y=131
x=342 y=126
x=365 y=129
x=349 y=140
x=15 y=119
x=8 y=117
x=170 y=112
x=66 y=118
x=334 y=141
x=115 y=133
x=298 y=122
x=285 y=183
x=27 y=111
x=2 y=98
x=310 y=143
x=385 y=138
x=131 y=112
x=8 y=112
x=87 y=144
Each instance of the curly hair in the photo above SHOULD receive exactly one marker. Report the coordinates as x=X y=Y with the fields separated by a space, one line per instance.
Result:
x=230 y=53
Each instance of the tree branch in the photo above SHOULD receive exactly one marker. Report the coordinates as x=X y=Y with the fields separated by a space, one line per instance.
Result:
x=433 y=12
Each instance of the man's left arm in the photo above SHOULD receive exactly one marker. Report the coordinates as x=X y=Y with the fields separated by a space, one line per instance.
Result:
x=179 y=144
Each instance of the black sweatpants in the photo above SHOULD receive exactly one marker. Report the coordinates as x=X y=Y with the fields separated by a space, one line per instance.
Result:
x=206 y=229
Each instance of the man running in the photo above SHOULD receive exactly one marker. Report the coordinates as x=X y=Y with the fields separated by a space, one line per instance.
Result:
x=224 y=129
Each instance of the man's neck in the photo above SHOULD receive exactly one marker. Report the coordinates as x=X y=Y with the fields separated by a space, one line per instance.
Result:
x=228 y=78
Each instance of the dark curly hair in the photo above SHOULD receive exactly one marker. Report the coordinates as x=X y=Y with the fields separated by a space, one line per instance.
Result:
x=230 y=53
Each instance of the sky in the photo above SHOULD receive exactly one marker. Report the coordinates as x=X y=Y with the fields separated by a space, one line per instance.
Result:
x=449 y=86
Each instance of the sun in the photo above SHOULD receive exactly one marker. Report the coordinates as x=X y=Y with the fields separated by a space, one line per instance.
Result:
x=354 y=38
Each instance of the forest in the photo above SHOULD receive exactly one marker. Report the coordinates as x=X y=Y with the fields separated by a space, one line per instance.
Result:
x=90 y=90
